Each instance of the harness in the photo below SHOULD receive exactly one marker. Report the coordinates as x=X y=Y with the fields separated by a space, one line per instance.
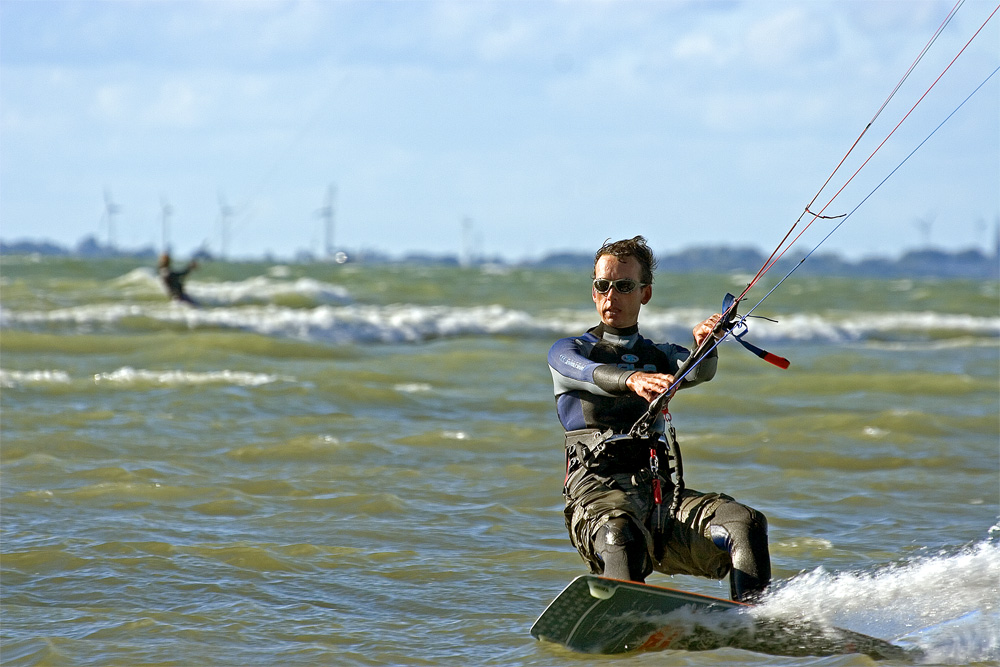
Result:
x=606 y=453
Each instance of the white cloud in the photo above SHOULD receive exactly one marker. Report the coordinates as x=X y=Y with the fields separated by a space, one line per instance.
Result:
x=111 y=103
x=508 y=37
x=700 y=47
x=176 y=104
x=794 y=36
x=878 y=18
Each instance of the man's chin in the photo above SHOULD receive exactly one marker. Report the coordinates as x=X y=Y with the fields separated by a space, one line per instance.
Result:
x=616 y=322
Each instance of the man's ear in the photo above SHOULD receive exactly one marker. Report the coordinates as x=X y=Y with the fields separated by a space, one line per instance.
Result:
x=647 y=294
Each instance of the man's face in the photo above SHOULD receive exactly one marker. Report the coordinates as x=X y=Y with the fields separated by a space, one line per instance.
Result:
x=616 y=309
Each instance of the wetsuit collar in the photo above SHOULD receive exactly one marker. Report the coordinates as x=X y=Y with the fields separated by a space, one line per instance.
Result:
x=621 y=337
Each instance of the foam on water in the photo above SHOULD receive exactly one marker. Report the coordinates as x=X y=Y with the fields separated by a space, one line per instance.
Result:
x=132 y=376
x=265 y=290
x=129 y=376
x=413 y=323
x=944 y=606
x=142 y=278
x=9 y=379
x=947 y=605
x=413 y=387
x=399 y=323
x=256 y=289
x=277 y=304
x=842 y=327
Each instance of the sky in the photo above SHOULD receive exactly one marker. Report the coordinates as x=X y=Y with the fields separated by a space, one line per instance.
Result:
x=508 y=129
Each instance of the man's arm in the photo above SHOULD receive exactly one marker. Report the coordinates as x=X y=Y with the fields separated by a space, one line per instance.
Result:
x=705 y=370
x=650 y=385
x=573 y=371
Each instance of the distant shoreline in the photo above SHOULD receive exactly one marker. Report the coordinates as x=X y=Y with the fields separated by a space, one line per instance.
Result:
x=927 y=263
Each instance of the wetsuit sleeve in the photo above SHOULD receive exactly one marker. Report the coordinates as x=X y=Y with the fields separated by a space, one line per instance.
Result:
x=573 y=371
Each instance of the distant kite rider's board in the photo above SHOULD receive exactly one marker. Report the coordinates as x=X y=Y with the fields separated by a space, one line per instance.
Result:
x=598 y=615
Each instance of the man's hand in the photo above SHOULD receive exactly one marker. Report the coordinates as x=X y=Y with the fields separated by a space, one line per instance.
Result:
x=650 y=385
x=703 y=330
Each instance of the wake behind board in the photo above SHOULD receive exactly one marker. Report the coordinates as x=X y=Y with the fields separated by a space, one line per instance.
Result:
x=599 y=615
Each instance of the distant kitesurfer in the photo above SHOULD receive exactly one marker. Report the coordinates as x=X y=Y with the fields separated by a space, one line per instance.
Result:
x=604 y=381
x=174 y=280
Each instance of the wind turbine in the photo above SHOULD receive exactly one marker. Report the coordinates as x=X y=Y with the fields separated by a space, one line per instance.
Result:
x=166 y=210
x=225 y=219
x=111 y=209
x=925 y=225
x=471 y=243
x=327 y=212
x=466 y=256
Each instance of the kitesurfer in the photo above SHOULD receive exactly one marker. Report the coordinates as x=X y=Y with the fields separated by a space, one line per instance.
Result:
x=174 y=280
x=618 y=487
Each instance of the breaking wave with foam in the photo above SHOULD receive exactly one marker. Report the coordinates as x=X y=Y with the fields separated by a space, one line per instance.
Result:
x=412 y=323
x=279 y=304
x=941 y=609
x=11 y=378
x=946 y=605
x=270 y=288
x=133 y=377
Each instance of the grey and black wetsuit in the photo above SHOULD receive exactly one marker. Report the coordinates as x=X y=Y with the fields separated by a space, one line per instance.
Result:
x=589 y=374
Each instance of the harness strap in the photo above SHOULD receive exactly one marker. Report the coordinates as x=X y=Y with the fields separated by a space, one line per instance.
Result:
x=674 y=451
x=588 y=443
x=606 y=453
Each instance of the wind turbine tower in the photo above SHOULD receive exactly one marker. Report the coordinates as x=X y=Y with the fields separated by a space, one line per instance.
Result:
x=111 y=209
x=166 y=210
x=926 y=225
x=328 y=213
x=225 y=219
x=470 y=245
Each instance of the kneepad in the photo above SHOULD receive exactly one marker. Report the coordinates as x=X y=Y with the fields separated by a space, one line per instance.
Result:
x=622 y=548
x=736 y=525
x=742 y=531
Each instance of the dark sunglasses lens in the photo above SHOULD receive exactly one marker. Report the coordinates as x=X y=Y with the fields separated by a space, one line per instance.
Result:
x=625 y=286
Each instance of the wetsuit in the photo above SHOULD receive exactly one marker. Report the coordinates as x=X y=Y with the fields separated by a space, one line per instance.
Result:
x=611 y=511
x=173 y=280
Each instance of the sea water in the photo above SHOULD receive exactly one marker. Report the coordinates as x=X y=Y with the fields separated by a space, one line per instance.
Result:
x=361 y=464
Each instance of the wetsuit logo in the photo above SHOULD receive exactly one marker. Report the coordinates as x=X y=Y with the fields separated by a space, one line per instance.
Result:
x=629 y=358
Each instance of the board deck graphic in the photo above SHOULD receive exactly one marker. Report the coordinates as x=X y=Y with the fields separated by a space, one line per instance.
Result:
x=599 y=615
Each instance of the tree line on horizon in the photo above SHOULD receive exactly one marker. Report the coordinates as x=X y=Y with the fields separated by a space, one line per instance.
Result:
x=928 y=262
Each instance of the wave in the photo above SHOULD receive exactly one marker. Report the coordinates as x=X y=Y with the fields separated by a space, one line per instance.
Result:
x=339 y=325
x=132 y=376
x=129 y=376
x=411 y=323
x=945 y=604
x=273 y=288
x=10 y=379
x=843 y=327
x=938 y=610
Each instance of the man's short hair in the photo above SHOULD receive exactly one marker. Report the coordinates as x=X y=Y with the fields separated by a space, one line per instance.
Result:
x=634 y=247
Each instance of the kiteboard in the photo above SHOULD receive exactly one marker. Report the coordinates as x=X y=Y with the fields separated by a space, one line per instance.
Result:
x=600 y=615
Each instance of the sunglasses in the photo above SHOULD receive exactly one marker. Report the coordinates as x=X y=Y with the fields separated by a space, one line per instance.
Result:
x=623 y=285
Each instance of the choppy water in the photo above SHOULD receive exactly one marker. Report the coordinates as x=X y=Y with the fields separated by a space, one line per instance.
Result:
x=361 y=465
